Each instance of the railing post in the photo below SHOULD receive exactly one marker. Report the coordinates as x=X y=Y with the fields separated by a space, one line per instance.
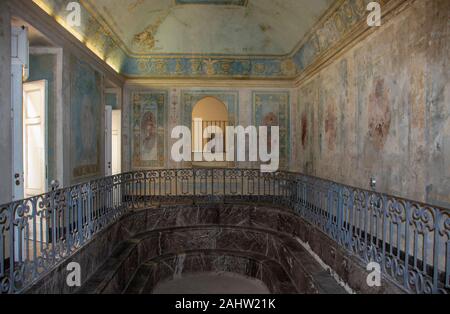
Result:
x=66 y=213
x=80 y=216
x=407 y=245
x=436 y=250
x=224 y=186
x=11 y=248
x=194 y=177
x=340 y=231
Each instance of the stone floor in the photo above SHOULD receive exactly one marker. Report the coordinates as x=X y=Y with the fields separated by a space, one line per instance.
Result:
x=212 y=283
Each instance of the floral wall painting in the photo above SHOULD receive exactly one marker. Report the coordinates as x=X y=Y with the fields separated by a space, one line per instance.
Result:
x=148 y=127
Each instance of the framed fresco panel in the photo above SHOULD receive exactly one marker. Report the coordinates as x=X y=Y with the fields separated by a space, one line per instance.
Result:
x=273 y=109
x=148 y=123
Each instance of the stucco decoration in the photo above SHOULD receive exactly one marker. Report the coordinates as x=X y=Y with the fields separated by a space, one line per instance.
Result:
x=148 y=128
x=273 y=109
x=85 y=117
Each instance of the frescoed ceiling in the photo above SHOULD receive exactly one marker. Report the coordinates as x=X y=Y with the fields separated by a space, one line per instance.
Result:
x=257 y=39
x=226 y=27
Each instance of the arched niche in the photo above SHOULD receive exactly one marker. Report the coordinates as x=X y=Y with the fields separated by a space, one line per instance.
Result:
x=208 y=112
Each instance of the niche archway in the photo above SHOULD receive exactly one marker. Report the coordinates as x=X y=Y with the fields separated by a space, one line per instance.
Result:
x=208 y=112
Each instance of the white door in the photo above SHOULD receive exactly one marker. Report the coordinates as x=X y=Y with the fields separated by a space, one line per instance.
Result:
x=19 y=70
x=116 y=142
x=108 y=141
x=35 y=137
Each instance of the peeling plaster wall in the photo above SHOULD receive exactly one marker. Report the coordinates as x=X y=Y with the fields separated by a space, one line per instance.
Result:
x=383 y=109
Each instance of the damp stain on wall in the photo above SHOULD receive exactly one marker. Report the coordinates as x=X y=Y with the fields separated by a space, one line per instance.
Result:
x=379 y=115
x=304 y=129
x=331 y=126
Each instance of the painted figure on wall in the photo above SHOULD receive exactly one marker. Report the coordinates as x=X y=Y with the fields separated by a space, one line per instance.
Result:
x=149 y=119
x=270 y=119
x=273 y=109
x=148 y=140
x=85 y=110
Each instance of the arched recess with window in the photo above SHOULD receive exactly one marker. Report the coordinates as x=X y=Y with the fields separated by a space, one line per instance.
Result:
x=210 y=113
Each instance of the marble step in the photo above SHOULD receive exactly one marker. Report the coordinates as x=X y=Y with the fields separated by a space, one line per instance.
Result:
x=103 y=276
x=324 y=282
x=139 y=281
x=105 y=279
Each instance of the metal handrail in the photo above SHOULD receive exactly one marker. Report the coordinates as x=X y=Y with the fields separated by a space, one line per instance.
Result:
x=410 y=240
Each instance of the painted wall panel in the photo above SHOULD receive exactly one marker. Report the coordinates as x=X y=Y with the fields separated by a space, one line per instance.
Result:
x=86 y=116
x=149 y=129
x=273 y=109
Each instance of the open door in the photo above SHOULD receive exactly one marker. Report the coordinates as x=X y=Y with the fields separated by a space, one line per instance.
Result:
x=108 y=141
x=19 y=72
x=116 y=142
x=35 y=137
x=113 y=147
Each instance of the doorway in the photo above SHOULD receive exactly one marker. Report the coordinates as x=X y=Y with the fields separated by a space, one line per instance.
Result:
x=113 y=132
x=35 y=159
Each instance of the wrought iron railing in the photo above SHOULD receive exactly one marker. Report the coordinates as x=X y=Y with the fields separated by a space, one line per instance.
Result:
x=410 y=240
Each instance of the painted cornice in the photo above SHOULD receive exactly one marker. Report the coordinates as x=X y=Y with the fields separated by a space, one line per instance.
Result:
x=208 y=82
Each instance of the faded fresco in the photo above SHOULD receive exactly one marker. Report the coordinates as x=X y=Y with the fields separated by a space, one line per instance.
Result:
x=273 y=109
x=85 y=116
x=148 y=123
x=145 y=52
x=382 y=110
x=332 y=30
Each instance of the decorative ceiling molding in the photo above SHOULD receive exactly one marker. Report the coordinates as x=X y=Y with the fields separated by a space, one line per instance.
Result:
x=335 y=27
x=208 y=83
x=213 y=2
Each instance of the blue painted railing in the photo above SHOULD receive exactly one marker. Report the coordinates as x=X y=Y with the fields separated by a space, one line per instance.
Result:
x=409 y=240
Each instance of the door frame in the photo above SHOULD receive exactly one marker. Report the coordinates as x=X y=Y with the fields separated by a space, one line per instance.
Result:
x=44 y=111
x=19 y=72
x=59 y=164
x=119 y=135
x=108 y=141
x=119 y=101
